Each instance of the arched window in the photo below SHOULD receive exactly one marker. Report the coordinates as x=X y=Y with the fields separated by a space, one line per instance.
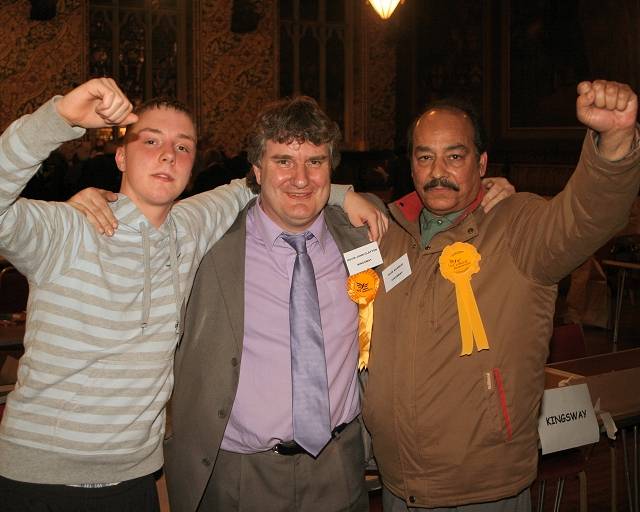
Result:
x=143 y=45
x=316 y=53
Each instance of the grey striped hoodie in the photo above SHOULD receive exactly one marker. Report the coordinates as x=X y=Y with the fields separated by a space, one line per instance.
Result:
x=102 y=319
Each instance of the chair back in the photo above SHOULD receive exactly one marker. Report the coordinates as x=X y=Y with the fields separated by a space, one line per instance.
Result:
x=567 y=342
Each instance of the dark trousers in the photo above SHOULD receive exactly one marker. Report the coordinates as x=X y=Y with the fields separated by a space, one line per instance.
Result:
x=269 y=482
x=137 y=495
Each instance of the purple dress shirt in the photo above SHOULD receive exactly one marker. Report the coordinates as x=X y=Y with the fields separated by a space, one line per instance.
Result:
x=262 y=412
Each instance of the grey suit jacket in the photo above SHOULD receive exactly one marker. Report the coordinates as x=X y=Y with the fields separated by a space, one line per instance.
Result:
x=207 y=363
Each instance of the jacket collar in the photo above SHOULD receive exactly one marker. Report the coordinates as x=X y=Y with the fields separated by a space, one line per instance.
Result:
x=406 y=212
x=411 y=206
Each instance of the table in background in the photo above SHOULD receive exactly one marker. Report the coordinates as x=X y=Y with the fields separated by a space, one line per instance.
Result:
x=613 y=378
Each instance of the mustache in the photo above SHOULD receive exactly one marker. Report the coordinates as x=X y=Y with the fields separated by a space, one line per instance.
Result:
x=440 y=182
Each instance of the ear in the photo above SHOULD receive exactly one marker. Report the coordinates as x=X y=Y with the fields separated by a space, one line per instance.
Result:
x=121 y=159
x=258 y=172
x=484 y=159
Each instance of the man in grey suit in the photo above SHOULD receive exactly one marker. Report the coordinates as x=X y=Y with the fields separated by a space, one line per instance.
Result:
x=232 y=445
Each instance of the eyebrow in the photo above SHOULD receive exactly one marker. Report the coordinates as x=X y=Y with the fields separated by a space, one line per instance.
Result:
x=160 y=132
x=285 y=156
x=448 y=148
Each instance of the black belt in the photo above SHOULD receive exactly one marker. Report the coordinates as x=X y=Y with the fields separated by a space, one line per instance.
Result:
x=293 y=448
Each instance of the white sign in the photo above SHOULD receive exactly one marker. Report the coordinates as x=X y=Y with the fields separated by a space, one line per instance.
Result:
x=397 y=272
x=567 y=419
x=363 y=258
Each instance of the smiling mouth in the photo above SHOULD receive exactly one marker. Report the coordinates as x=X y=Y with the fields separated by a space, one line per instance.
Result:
x=163 y=177
x=299 y=195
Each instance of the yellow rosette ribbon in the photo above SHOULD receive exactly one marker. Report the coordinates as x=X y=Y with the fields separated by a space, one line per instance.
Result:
x=362 y=289
x=458 y=262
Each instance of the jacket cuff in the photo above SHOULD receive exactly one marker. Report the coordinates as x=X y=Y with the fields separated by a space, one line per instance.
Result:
x=594 y=138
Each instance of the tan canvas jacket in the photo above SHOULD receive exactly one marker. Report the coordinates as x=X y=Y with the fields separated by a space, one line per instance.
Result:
x=448 y=429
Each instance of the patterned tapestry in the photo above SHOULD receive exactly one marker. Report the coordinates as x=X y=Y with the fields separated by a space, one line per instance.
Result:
x=237 y=73
x=38 y=58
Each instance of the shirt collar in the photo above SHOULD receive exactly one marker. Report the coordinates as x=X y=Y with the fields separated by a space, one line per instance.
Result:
x=428 y=217
x=270 y=232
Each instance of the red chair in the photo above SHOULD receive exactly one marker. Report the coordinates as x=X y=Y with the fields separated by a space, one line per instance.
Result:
x=567 y=342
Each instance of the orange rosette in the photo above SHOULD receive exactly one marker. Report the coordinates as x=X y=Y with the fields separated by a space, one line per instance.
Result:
x=362 y=289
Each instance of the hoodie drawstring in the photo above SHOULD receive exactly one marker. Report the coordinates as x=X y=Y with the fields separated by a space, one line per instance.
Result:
x=146 y=290
x=175 y=272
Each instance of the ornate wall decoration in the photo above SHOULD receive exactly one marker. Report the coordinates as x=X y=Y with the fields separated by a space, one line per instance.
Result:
x=38 y=58
x=236 y=73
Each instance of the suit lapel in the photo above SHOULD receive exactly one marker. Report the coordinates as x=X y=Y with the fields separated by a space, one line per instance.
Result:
x=229 y=260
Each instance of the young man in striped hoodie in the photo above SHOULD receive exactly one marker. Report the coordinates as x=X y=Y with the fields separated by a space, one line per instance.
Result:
x=84 y=425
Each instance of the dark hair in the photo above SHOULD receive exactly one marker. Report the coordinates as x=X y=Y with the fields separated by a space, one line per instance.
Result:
x=298 y=119
x=157 y=103
x=457 y=105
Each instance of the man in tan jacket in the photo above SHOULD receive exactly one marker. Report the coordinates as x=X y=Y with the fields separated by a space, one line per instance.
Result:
x=453 y=397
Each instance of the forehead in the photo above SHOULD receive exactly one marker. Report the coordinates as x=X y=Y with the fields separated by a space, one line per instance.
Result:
x=166 y=119
x=295 y=147
x=450 y=126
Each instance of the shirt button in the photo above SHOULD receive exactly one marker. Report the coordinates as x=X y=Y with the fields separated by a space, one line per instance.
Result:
x=412 y=499
x=439 y=221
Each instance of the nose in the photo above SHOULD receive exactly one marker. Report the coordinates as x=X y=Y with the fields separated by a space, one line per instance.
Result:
x=300 y=176
x=439 y=168
x=168 y=154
